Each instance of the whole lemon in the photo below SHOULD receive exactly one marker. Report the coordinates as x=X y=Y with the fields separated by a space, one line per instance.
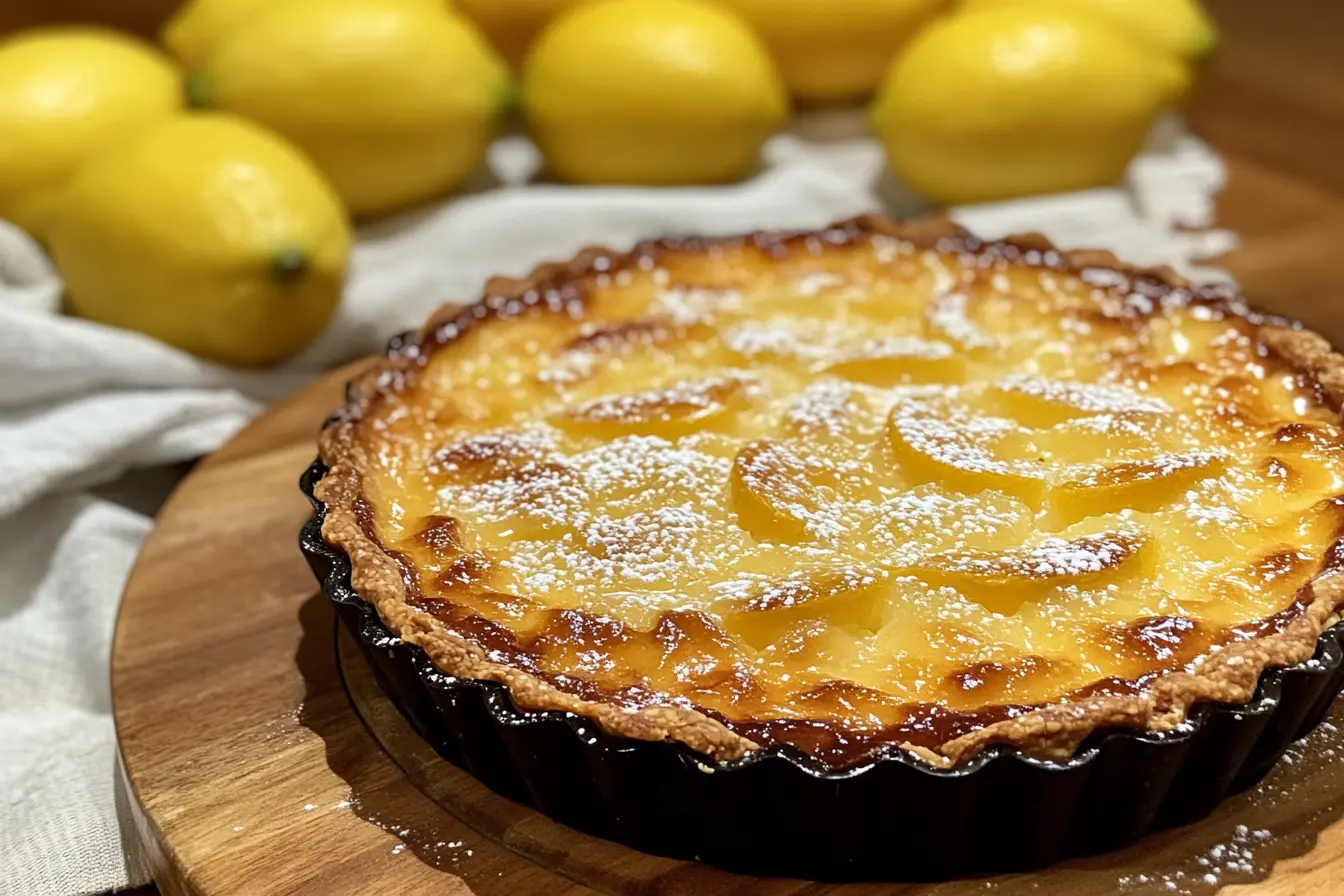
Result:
x=995 y=103
x=651 y=92
x=396 y=100
x=207 y=232
x=65 y=93
x=199 y=26
x=512 y=25
x=1181 y=27
x=835 y=51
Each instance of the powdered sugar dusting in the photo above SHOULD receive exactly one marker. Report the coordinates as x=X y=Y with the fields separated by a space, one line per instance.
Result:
x=856 y=481
x=958 y=522
x=545 y=493
x=1159 y=466
x=808 y=585
x=637 y=466
x=957 y=438
x=685 y=306
x=571 y=367
x=949 y=317
x=1054 y=557
x=1091 y=398
x=827 y=406
x=811 y=284
x=788 y=339
x=828 y=344
x=685 y=399
x=904 y=347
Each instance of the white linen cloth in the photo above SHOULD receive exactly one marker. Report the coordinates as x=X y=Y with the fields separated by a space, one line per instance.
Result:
x=81 y=404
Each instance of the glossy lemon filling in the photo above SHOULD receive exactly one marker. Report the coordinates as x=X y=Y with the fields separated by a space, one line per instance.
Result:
x=844 y=482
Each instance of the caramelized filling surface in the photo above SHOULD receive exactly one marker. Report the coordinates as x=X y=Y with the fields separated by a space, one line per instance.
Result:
x=845 y=495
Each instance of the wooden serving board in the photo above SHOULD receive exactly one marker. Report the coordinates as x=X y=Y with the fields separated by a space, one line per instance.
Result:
x=261 y=758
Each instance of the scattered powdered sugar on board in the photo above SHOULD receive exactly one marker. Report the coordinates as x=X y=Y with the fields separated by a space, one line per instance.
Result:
x=1250 y=843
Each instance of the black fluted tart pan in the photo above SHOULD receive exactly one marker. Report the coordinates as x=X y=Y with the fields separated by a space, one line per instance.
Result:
x=779 y=812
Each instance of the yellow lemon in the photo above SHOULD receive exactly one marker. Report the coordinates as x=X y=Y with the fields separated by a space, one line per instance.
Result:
x=651 y=92
x=990 y=104
x=512 y=25
x=199 y=26
x=207 y=232
x=396 y=100
x=1181 y=27
x=64 y=93
x=837 y=50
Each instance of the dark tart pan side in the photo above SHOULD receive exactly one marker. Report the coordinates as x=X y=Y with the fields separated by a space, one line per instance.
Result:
x=778 y=812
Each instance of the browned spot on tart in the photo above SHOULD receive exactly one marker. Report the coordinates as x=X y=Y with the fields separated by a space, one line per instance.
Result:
x=994 y=680
x=441 y=535
x=1157 y=642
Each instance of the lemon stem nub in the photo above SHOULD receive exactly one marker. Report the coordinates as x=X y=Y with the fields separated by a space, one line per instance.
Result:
x=289 y=264
x=196 y=89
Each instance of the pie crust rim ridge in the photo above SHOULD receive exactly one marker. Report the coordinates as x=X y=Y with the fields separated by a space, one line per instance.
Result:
x=1053 y=732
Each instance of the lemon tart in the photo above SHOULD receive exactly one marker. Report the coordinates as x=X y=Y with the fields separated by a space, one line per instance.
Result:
x=877 y=490
x=859 y=487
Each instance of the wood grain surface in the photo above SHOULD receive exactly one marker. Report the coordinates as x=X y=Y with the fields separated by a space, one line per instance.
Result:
x=263 y=759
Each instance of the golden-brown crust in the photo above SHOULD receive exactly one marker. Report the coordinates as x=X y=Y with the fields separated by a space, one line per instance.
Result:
x=1230 y=675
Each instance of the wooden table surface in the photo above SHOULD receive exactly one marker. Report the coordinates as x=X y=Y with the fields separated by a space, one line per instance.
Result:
x=1272 y=104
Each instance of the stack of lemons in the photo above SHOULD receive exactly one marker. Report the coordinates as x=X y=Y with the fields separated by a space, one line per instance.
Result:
x=204 y=196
